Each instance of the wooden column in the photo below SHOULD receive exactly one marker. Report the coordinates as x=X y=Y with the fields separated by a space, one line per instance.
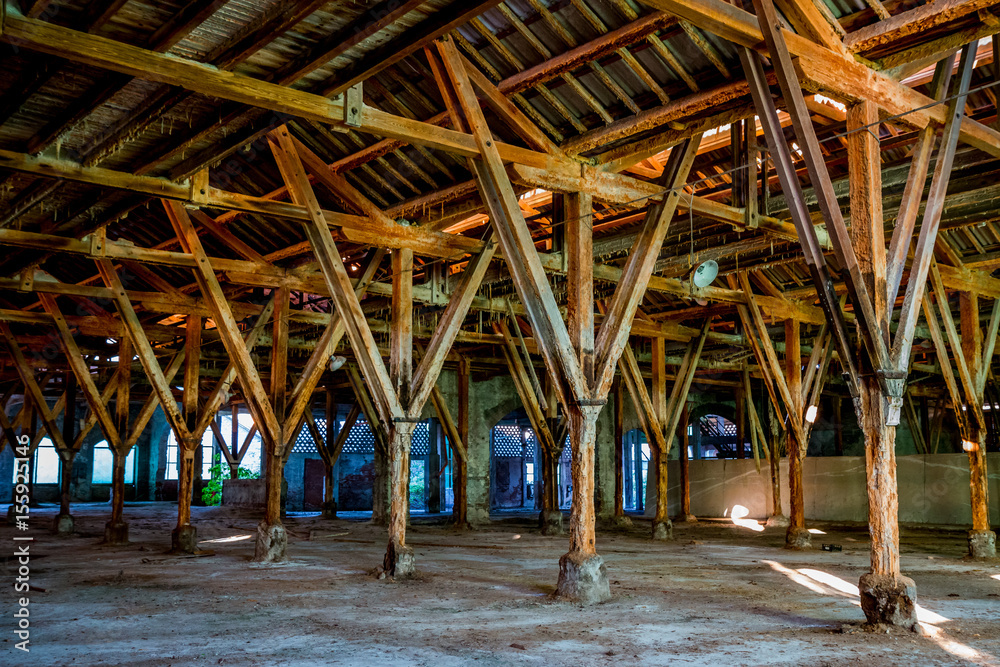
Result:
x=460 y=466
x=777 y=517
x=982 y=541
x=740 y=428
x=278 y=390
x=332 y=433
x=682 y=436
x=116 y=530
x=398 y=556
x=797 y=536
x=662 y=527
x=183 y=537
x=619 y=406
x=886 y=597
x=234 y=468
x=582 y=413
x=64 y=521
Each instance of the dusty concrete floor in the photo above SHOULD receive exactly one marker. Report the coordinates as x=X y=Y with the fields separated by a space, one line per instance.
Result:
x=717 y=595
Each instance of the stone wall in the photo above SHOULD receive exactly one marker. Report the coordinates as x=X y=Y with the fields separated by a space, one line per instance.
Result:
x=933 y=488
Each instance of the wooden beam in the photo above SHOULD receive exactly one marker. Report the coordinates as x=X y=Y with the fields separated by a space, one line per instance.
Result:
x=253 y=388
x=515 y=240
x=336 y=278
x=134 y=330
x=450 y=323
x=613 y=334
x=33 y=390
x=82 y=372
x=924 y=251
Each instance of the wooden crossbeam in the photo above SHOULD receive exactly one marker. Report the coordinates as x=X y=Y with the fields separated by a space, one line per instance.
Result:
x=336 y=278
x=773 y=366
x=82 y=371
x=530 y=400
x=361 y=395
x=222 y=388
x=211 y=290
x=134 y=330
x=906 y=217
x=868 y=322
x=512 y=233
x=924 y=252
x=429 y=368
x=33 y=390
x=448 y=422
x=813 y=254
x=333 y=451
x=315 y=366
x=613 y=334
x=966 y=363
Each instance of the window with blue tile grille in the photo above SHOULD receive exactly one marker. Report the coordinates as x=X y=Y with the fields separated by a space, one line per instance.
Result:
x=361 y=440
x=511 y=440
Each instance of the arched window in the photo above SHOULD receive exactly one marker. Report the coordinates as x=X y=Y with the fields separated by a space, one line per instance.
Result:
x=103 y=469
x=47 y=464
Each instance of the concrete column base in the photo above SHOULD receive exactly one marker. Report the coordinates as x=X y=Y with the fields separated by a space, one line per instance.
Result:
x=583 y=578
x=184 y=539
x=982 y=544
x=550 y=522
x=478 y=516
x=621 y=522
x=461 y=526
x=116 y=534
x=399 y=562
x=663 y=530
x=798 y=538
x=889 y=600
x=63 y=524
x=686 y=518
x=777 y=521
x=330 y=509
x=272 y=543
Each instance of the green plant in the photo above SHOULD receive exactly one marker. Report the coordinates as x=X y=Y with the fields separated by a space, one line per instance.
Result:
x=417 y=482
x=212 y=493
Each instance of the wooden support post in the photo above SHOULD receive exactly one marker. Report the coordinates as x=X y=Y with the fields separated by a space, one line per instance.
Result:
x=234 y=468
x=64 y=521
x=272 y=541
x=982 y=540
x=116 y=529
x=460 y=470
x=740 y=427
x=778 y=436
x=797 y=536
x=685 y=475
x=332 y=438
x=662 y=527
x=398 y=557
x=618 y=391
x=886 y=596
x=184 y=535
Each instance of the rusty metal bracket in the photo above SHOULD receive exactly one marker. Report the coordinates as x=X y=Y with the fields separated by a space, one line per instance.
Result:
x=353 y=105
